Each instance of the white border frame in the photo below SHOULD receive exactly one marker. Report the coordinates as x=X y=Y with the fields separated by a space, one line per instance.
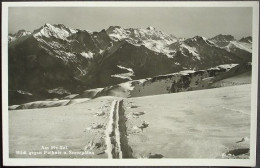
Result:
x=131 y=162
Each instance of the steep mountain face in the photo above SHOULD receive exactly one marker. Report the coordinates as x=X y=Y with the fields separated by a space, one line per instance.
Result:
x=142 y=61
x=55 y=60
x=53 y=56
x=242 y=48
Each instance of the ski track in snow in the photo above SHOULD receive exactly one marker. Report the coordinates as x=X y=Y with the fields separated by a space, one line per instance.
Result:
x=113 y=134
x=116 y=136
x=117 y=132
x=109 y=131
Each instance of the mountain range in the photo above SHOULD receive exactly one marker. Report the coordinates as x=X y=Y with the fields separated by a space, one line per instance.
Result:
x=55 y=60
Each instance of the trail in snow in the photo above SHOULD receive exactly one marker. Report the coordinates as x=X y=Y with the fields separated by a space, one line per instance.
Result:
x=116 y=138
x=109 y=131
x=117 y=132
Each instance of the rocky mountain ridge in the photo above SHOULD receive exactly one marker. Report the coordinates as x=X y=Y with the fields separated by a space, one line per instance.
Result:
x=56 y=60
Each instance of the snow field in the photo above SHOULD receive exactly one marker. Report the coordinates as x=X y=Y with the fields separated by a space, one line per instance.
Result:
x=197 y=124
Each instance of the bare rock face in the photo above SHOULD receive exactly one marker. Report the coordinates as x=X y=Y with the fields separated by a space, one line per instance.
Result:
x=55 y=56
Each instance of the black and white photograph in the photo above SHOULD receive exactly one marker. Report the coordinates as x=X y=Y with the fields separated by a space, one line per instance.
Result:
x=130 y=83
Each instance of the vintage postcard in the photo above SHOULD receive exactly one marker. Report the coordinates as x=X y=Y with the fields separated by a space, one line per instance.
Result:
x=130 y=83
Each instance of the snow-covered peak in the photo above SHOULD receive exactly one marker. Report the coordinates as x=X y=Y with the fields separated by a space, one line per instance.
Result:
x=58 y=31
x=117 y=33
x=19 y=34
x=194 y=39
x=50 y=26
x=150 y=37
x=137 y=34
x=198 y=40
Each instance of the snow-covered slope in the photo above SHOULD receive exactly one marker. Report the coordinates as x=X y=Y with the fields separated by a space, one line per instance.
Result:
x=208 y=124
x=77 y=130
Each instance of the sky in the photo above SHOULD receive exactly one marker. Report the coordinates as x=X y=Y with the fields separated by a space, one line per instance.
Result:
x=180 y=21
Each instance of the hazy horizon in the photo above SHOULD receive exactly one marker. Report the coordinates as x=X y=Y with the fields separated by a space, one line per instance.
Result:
x=179 y=21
